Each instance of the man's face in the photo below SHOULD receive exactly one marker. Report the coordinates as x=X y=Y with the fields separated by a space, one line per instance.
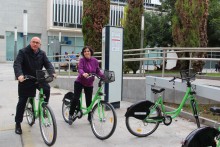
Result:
x=35 y=43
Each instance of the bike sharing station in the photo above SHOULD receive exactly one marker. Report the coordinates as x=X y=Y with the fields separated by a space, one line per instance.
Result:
x=112 y=59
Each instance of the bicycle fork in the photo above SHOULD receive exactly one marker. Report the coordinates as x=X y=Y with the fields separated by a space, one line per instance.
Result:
x=195 y=111
x=101 y=112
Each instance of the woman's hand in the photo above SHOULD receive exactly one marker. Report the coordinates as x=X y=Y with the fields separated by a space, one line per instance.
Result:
x=85 y=75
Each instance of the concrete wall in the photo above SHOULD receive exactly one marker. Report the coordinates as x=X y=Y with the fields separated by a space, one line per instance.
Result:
x=134 y=90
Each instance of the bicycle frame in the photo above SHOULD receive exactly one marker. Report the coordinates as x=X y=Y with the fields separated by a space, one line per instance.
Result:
x=159 y=103
x=97 y=98
x=38 y=111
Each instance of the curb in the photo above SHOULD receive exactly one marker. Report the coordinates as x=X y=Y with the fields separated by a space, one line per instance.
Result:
x=189 y=116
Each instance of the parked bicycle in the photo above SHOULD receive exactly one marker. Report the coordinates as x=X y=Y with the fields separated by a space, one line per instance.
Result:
x=103 y=116
x=47 y=121
x=205 y=136
x=144 y=117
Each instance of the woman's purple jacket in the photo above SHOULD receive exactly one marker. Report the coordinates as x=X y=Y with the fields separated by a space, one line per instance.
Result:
x=88 y=66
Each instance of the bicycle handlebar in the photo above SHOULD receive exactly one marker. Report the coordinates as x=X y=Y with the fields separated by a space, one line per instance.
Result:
x=188 y=78
x=173 y=79
x=26 y=77
x=93 y=75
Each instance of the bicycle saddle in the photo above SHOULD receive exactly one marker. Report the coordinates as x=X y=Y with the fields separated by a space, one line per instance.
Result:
x=155 y=91
x=215 y=110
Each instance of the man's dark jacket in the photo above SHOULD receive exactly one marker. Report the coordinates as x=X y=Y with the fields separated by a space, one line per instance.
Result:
x=26 y=63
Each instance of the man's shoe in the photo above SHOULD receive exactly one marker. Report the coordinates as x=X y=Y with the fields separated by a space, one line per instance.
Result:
x=18 y=129
x=70 y=120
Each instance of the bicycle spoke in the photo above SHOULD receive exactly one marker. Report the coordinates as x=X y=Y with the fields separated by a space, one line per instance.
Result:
x=48 y=126
x=103 y=120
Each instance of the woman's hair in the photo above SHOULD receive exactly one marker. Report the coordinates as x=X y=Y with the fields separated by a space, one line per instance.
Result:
x=91 y=50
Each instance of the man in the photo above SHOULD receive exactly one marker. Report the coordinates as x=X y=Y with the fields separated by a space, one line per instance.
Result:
x=73 y=56
x=73 y=61
x=67 y=58
x=29 y=59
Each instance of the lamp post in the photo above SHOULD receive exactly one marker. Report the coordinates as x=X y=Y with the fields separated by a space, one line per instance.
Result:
x=15 y=39
x=60 y=41
x=25 y=27
x=142 y=41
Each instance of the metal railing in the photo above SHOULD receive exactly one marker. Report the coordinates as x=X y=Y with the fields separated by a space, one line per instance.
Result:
x=160 y=50
x=164 y=54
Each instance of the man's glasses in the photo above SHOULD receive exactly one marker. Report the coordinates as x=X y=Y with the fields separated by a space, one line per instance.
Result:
x=34 y=42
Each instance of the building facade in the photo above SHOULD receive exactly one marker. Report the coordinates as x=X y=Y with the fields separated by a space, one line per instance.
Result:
x=57 y=22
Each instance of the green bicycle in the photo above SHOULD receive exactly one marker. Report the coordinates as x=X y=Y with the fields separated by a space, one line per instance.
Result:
x=47 y=121
x=144 y=117
x=103 y=116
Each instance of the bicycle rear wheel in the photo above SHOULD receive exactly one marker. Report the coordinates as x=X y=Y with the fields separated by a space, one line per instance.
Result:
x=48 y=126
x=142 y=128
x=29 y=113
x=65 y=112
x=103 y=120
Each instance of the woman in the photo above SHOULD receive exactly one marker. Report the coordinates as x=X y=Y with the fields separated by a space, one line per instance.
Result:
x=87 y=64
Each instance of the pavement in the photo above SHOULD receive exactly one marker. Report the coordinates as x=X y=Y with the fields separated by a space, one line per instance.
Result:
x=80 y=133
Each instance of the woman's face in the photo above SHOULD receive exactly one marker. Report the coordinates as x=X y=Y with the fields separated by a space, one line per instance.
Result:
x=87 y=53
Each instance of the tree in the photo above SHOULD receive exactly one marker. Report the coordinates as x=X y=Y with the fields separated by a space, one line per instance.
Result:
x=95 y=17
x=158 y=30
x=189 y=28
x=132 y=29
x=214 y=24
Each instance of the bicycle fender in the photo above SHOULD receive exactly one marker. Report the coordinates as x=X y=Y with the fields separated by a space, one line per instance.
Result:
x=139 y=110
x=201 y=137
x=68 y=97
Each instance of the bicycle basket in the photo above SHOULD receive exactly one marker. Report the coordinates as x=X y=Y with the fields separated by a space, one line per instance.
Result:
x=44 y=76
x=188 y=74
x=109 y=76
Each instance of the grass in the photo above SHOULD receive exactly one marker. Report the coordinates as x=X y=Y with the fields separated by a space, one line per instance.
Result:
x=165 y=72
x=203 y=110
x=213 y=74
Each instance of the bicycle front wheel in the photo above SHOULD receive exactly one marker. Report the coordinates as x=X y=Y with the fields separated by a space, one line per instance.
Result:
x=48 y=126
x=29 y=113
x=143 y=128
x=103 y=120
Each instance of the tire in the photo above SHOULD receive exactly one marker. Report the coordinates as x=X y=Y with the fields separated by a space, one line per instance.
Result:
x=103 y=126
x=48 y=126
x=65 y=112
x=141 y=128
x=195 y=112
x=202 y=137
x=29 y=113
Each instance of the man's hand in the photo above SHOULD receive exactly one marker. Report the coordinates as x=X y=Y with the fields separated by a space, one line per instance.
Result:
x=55 y=75
x=21 y=78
